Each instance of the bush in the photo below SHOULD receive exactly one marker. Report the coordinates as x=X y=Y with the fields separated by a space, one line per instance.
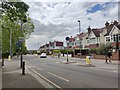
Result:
x=65 y=51
x=56 y=51
x=5 y=54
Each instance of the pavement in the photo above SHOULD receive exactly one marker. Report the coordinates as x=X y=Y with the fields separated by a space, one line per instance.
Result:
x=13 y=78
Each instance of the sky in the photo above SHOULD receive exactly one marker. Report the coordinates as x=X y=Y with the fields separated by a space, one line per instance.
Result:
x=55 y=20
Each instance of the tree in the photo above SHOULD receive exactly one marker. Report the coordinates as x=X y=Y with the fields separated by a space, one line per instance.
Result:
x=14 y=15
x=104 y=49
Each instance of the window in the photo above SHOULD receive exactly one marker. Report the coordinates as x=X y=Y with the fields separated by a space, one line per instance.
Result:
x=87 y=41
x=107 y=39
x=119 y=37
x=92 y=41
x=113 y=38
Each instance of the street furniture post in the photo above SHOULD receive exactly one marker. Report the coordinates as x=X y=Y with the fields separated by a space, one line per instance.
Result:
x=2 y=61
x=67 y=41
x=23 y=68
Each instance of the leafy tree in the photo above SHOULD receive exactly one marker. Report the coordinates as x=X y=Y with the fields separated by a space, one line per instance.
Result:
x=104 y=49
x=15 y=20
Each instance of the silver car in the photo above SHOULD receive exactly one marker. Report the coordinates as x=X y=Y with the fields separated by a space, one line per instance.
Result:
x=43 y=55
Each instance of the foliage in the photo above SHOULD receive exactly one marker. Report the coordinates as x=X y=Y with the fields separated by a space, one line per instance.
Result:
x=56 y=51
x=104 y=49
x=16 y=21
x=65 y=51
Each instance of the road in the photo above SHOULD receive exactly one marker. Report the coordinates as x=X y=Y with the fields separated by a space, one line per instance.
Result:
x=63 y=75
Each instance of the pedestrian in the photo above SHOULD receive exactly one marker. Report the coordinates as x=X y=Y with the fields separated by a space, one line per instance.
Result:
x=109 y=56
x=59 y=55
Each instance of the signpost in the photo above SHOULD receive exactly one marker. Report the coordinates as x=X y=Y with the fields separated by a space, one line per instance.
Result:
x=21 y=39
x=67 y=41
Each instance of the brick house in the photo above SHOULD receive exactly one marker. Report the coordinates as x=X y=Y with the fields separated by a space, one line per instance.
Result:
x=56 y=45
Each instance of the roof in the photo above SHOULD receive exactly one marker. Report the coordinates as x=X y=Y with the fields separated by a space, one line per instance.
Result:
x=59 y=43
x=81 y=35
x=96 y=32
x=118 y=26
x=71 y=39
x=109 y=29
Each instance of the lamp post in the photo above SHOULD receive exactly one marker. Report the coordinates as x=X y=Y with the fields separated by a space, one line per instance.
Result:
x=79 y=37
x=21 y=57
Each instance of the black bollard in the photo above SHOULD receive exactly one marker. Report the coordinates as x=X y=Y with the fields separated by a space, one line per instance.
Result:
x=21 y=59
x=23 y=68
x=2 y=61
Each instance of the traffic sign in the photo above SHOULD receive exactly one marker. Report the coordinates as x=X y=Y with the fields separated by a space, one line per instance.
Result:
x=18 y=44
x=21 y=39
x=67 y=38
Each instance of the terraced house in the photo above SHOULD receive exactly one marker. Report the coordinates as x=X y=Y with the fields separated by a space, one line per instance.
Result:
x=94 y=37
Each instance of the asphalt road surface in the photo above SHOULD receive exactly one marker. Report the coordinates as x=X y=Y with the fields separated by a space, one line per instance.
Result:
x=63 y=75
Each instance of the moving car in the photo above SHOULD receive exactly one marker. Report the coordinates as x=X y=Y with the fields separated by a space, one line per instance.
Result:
x=43 y=55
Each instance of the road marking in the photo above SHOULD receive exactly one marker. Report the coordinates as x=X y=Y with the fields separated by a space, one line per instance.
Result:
x=57 y=62
x=34 y=67
x=105 y=70
x=12 y=72
x=46 y=79
x=59 y=77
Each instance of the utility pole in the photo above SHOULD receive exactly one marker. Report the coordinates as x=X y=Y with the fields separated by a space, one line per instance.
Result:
x=79 y=37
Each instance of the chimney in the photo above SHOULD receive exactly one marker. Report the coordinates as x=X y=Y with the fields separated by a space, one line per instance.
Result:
x=106 y=24
x=89 y=30
x=115 y=22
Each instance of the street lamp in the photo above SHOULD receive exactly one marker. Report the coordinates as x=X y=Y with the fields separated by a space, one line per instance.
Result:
x=79 y=36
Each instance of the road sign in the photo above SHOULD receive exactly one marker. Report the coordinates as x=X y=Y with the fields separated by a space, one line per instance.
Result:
x=18 y=44
x=67 y=38
x=21 y=39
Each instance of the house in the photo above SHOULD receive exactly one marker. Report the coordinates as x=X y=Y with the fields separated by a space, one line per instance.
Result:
x=80 y=42
x=56 y=45
x=71 y=42
x=113 y=36
x=93 y=39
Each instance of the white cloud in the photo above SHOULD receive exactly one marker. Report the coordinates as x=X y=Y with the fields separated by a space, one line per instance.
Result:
x=56 y=20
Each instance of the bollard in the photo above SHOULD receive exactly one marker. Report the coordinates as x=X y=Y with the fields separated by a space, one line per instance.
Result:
x=23 y=68
x=21 y=59
x=2 y=62
x=9 y=57
x=88 y=61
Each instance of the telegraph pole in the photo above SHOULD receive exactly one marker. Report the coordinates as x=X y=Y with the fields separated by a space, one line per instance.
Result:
x=79 y=37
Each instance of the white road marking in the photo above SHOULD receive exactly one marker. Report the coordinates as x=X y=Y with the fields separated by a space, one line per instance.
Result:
x=12 y=72
x=104 y=70
x=45 y=78
x=34 y=67
x=59 y=77
x=57 y=62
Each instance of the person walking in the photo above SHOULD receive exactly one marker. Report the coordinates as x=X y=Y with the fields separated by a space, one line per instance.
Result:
x=109 y=55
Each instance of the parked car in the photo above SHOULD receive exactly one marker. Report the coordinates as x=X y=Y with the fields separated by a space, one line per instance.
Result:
x=43 y=55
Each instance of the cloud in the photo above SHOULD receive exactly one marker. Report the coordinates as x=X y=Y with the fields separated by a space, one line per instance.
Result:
x=56 y=20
